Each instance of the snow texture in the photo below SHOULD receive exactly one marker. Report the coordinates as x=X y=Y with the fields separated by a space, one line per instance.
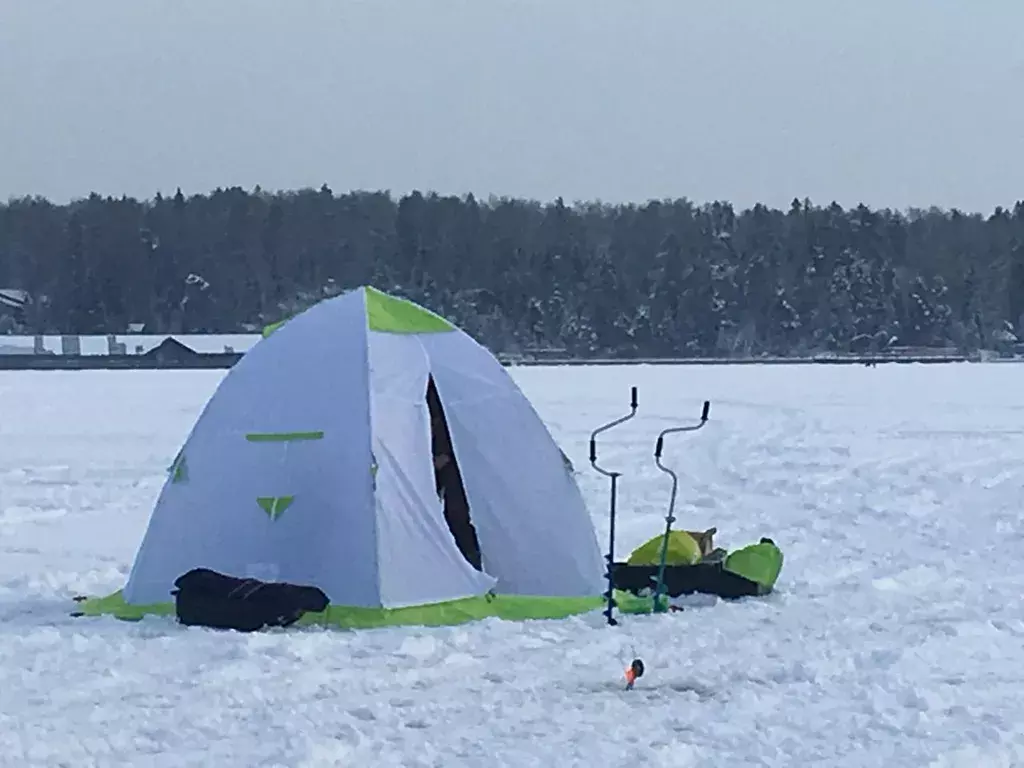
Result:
x=895 y=636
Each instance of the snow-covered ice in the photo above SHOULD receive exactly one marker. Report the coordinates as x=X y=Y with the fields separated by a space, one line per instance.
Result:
x=895 y=637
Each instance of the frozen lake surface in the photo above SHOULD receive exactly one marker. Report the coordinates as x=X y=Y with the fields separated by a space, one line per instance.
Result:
x=895 y=637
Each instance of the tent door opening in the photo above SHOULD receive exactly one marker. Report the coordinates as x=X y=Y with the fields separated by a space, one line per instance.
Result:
x=448 y=481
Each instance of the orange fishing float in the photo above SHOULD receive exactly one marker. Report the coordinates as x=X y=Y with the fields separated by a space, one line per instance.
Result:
x=634 y=671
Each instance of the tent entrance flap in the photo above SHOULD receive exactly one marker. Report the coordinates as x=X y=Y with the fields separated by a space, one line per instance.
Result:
x=448 y=481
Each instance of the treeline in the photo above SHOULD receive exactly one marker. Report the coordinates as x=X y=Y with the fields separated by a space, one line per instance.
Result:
x=661 y=278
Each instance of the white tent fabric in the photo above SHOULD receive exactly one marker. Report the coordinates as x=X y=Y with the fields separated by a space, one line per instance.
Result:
x=420 y=562
x=358 y=514
x=310 y=375
x=535 y=533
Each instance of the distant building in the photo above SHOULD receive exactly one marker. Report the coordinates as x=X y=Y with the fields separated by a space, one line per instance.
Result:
x=170 y=350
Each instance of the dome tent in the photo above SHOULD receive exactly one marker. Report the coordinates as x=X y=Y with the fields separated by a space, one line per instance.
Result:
x=312 y=464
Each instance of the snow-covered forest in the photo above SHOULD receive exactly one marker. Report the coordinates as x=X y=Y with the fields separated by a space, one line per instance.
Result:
x=659 y=278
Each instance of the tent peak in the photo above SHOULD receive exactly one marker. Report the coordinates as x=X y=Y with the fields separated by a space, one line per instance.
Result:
x=391 y=314
x=388 y=313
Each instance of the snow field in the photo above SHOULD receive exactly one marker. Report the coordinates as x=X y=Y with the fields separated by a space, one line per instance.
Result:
x=896 y=636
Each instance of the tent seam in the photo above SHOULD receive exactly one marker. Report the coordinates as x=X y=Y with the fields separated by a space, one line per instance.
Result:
x=371 y=434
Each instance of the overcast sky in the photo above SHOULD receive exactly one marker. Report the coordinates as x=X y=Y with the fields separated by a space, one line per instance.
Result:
x=887 y=102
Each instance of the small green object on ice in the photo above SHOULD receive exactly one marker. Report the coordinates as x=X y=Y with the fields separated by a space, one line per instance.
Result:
x=760 y=563
x=683 y=549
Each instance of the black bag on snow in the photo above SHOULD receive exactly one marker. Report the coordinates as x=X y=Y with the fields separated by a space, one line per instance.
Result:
x=205 y=598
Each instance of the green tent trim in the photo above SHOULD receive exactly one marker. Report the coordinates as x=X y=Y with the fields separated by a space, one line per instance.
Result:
x=390 y=314
x=450 y=613
x=283 y=437
x=269 y=329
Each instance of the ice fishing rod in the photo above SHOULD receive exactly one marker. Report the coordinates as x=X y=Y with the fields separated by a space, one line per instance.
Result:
x=610 y=573
x=669 y=518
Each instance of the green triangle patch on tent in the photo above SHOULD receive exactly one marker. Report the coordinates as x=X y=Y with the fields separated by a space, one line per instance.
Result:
x=275 y=505
x=390 y=314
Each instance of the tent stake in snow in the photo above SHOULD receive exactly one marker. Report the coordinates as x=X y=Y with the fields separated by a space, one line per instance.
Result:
x=609 y=574
x=669 y=518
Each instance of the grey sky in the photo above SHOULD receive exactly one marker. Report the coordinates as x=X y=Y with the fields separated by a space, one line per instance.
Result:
x=888 y=102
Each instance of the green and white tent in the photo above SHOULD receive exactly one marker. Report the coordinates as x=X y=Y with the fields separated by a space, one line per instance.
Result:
x=312 y=464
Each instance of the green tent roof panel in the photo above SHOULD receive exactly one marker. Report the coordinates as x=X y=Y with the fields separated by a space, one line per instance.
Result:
x=390 y=314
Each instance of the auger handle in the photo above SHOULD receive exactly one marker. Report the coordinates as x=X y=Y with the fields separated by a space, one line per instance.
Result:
x=615 y=423
x=660 y=444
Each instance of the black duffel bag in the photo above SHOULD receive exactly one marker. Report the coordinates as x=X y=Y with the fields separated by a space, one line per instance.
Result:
x=205 y=598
